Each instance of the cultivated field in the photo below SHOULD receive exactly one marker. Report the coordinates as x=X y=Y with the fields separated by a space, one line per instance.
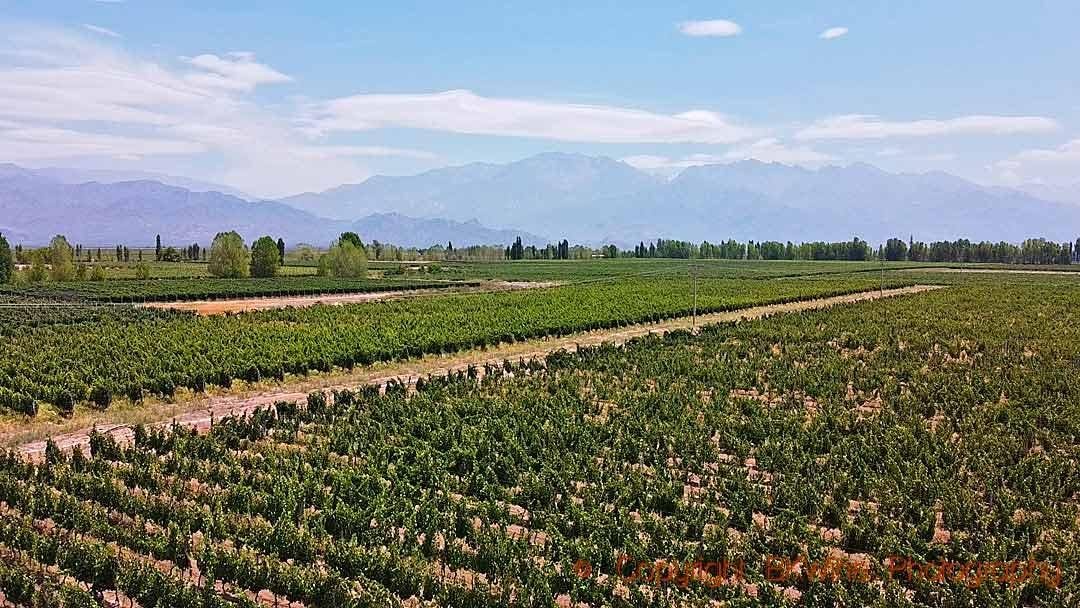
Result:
x=572 y=445
x=875 y=440
x=47 y=356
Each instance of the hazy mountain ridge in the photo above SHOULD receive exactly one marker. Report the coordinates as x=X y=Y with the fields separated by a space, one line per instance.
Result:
x=591 y=200
x=33 y=208
x=536 y=193
x=69 y=175
x=598 y=200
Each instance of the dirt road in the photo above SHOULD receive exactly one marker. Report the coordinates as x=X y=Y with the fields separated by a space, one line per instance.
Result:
x=199 y=412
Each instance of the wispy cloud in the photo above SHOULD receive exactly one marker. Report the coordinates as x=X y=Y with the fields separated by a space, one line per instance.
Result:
x=772 y=150
x=864 y=126
x=463 y=111
x=237 y=70
x=833 y=33
x=768 y=150
x=24 y=142
x=1038 y=164
x=104 y=31
x=713 y=27
x=667 y=164
x=64 y=96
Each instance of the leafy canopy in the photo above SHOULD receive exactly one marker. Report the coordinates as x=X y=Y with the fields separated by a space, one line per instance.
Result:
x=346 y=258
x=7 y=261
x=228 y=256
x=265 y=258
x=61 y=259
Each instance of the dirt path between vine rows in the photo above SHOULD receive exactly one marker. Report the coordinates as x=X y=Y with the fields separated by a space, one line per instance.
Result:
x=220 y=307
x=200 y=410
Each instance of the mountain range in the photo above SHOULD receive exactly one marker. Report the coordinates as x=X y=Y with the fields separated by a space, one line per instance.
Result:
x=591 y=200
x=35 y=206
x=598 y=200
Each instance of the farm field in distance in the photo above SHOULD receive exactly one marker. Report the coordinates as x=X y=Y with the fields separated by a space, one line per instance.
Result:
x=131 y=353
x=179 y=290
x=874 y=441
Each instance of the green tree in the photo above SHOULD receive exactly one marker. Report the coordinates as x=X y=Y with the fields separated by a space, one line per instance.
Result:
x=7 y=262
x=98 y=273
x=61 y=259
x=38 y=269
x=351 y=237
x=171 y=254
x=895 y=250
x=142 y=271
x=228 y=256
x=345 y=259
x=264 y=257
x=517 y=251
x=281 y=251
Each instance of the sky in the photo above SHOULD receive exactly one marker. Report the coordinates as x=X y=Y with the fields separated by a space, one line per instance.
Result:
x=280 y=97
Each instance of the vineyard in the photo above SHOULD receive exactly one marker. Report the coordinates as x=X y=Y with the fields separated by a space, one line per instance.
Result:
x=939 y=427
x=573 y=270
x=66 y=364
x=175 y=290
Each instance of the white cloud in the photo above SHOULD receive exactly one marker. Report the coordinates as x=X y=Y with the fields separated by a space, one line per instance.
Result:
x=651 y=162
x=864 y=126
x=324 y=151
x=1067 y=153
x=833 y=33
x=714 y=27
x=768 y=150
x=772 y=150
x=104 y=31
x=64 y=96
x=29 y=143
x=466 y=112
x=237 y=71
x=939 y=157
x=1052 y=165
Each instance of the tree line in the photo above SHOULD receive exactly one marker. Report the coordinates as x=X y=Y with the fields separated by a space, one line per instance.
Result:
x=227 y=257
x=230 y=258
x=1031 y=251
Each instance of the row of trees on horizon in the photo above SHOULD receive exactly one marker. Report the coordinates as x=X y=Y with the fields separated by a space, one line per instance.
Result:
x=1031 y=251
x=229 y=257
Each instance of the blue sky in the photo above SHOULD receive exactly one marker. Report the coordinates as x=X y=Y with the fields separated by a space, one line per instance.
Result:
x=279 y=97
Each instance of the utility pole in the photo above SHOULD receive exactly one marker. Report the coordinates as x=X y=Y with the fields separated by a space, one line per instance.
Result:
x=883 y=277
x=694 y=276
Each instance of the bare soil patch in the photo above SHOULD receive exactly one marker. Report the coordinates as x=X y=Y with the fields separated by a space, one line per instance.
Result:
x=199 y=411
x=220 y=307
